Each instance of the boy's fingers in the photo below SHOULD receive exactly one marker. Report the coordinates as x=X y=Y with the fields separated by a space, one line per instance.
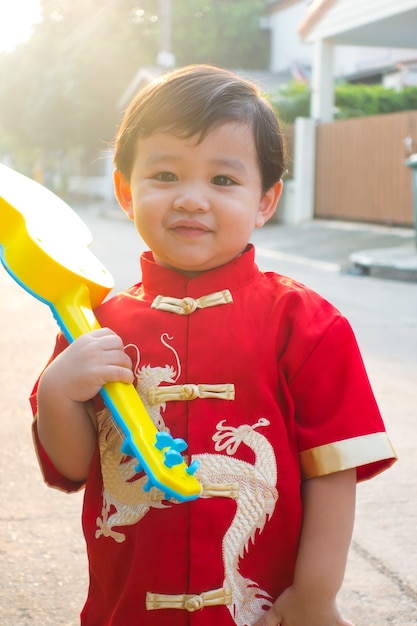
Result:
x=120 y=374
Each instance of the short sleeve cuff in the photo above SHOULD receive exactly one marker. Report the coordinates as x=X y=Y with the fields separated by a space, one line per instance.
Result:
x=51 y=476
x=370 y=454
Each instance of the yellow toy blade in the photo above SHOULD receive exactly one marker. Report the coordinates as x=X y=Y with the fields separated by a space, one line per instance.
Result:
x=43 y=246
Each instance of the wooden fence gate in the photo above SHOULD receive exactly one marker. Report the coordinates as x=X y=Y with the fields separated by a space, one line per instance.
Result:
x=360 y=169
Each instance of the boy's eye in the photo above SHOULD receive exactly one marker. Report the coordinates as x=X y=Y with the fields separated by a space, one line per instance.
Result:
x=165 y=177
x=223 y=181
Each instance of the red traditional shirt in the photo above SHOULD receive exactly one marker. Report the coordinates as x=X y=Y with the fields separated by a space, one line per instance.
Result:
x=264 y=380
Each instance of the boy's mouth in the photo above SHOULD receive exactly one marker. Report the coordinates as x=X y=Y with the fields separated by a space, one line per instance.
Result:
x=189 y=228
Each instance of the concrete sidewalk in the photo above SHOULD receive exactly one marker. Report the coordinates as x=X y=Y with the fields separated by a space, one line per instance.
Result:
x=353 y=247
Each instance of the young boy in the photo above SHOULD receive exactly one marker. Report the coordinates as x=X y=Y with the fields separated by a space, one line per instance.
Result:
x=261 y=376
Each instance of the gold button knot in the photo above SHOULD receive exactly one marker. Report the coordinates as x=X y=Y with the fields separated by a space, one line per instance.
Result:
x=189 y=305
x=189 y=392
x=193 y=603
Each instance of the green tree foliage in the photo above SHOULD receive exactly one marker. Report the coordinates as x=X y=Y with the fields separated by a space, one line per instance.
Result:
x=357 y=100
x=219 y=32
x=361 y=100
x=291 y=101
x=61 y=89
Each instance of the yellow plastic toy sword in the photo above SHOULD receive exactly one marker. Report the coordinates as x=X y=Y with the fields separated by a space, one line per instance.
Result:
x=44 y=247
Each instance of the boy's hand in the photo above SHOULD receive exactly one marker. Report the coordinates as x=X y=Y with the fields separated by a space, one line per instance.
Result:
x=90 y=362
x=328 y=513
x=292 y=609
x=65 y=425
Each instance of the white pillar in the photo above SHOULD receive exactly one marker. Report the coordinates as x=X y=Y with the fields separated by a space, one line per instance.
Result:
x=297 y=203
x=322 y=96
x=304 y=168
x=165 y=58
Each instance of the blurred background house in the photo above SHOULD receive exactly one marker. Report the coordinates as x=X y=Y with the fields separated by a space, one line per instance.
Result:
x=365 y=49
x=355 y=169
x=329 y=67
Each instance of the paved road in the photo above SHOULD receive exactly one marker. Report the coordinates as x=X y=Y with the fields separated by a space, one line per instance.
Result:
x=42 y=555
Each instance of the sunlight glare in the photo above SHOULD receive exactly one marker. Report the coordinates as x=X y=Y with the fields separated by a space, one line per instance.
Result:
x=17 y=18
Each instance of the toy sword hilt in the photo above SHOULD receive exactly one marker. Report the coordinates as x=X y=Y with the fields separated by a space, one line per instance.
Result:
x=65 y=275
x=158 y=453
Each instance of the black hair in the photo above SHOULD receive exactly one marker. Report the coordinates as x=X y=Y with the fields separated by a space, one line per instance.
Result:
x=192 y=101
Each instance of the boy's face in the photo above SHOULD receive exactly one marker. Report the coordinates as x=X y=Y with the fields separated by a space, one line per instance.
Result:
x=196 y=204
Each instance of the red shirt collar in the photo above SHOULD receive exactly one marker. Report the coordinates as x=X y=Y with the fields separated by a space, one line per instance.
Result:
x=157 y=279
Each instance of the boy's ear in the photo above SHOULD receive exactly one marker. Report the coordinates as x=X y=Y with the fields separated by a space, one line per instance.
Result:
x=268 y=204
x=123 y=193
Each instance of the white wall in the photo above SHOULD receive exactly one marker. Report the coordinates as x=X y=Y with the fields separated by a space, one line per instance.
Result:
x=286 y=45
x=352 y=59
x=288 y=49
x=347 y=14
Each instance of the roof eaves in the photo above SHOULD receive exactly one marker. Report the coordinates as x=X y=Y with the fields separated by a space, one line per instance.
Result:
x=314 y=14
x=279 y=5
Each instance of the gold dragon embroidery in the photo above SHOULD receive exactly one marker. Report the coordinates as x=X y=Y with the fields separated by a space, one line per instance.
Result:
x=121 y=493
x=253 y=486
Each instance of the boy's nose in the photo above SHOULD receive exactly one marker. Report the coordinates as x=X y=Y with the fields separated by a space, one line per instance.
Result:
x=191 y=198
